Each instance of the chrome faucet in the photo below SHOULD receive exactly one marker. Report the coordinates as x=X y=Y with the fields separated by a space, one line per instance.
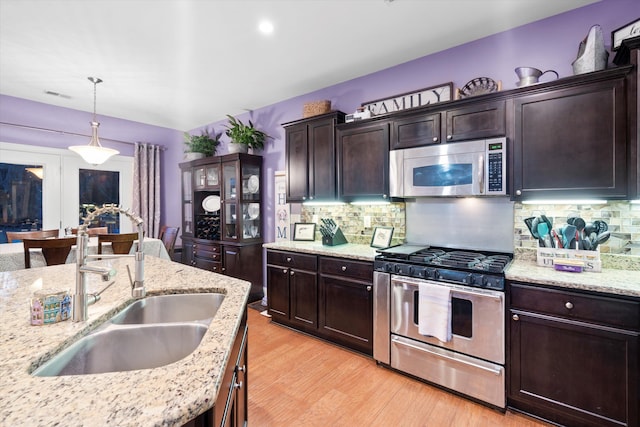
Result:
x=80 y=300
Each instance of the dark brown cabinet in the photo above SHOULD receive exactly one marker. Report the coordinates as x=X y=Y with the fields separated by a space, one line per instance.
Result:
x=571 y=139
x=573 y=357
x=311 y=157
x=346 y=303
x=222 y=217
x=231 y=406
x=363 y=161
x=293 y=290
x=474 y=121
x=328 y=297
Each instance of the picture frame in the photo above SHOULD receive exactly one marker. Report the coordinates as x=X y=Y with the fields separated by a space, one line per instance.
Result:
x=381 y=237
x=632 y=29
x=304 y=231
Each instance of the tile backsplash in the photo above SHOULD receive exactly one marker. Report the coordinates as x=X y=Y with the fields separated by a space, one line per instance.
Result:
x=350 y=218
x=622 y=217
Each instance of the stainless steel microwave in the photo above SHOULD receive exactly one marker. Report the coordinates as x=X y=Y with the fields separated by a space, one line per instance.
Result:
x=459 y=169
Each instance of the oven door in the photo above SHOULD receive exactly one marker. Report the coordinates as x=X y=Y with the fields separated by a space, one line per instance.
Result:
x=477 y=318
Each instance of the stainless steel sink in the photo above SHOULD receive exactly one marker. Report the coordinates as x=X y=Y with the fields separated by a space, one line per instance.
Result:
x=170 y=308
x=149 y=333
x=126 y=349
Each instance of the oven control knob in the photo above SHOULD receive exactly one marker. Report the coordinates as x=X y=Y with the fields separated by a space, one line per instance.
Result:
x=468 y=280
x=388 y=268
x=436 y=274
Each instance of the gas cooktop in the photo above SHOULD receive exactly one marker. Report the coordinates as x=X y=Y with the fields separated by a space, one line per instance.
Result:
x=470 y=267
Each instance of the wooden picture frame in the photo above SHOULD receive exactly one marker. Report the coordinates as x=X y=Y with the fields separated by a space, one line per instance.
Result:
x=632 y=29
x=381 y=237
x=304 y=231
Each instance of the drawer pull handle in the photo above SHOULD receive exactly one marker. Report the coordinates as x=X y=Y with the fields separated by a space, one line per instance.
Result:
x=238 y=385
x=242 y=368
x=288 y=259
x=284 y=270
x=292 y=272
x=369 y=288
x=515 y=317
x=344 y=268
x=569 y=305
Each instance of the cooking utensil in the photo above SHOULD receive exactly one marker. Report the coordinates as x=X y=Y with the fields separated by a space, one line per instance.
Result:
x=543 y=232
x=557 y=239
x=602 y=237
x=600 y=226
x=569 y=236
x=529 y=224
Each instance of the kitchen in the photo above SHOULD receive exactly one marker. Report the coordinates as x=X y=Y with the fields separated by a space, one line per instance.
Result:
x=622 y=209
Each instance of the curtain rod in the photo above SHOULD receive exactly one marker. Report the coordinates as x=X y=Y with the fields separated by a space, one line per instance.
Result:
x=61 y=132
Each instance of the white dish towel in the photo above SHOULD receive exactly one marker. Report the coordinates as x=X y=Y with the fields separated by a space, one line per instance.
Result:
x=434 y=311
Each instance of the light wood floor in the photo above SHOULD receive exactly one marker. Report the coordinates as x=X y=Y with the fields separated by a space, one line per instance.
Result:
x=297 y=380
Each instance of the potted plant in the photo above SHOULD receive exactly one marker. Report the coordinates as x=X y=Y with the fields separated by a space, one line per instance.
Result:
x=203 y=145
x=244 y=136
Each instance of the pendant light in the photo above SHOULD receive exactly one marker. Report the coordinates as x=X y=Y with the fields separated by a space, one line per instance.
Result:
x=94 y=153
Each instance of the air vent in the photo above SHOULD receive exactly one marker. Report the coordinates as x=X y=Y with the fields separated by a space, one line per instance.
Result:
x=52 y=93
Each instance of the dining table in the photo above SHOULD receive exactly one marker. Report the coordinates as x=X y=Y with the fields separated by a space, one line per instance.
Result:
x=12 y=254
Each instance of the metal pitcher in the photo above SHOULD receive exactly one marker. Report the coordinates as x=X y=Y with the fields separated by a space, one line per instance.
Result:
x=530 y=75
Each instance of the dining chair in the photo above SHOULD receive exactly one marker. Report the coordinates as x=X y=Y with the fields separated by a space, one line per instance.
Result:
x=120 y=243
x=55 y=251
x=168 y=235
x=13 y=236
x=94 y=231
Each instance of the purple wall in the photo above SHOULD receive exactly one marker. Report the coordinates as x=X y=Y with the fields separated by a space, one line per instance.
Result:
x=551 y=43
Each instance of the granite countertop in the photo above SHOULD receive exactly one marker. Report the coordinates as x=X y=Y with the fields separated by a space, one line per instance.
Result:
x=348 y=250
x=610 y=281
x=168 y=395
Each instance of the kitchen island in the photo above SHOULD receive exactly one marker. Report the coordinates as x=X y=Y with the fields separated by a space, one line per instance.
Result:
x=170 y=395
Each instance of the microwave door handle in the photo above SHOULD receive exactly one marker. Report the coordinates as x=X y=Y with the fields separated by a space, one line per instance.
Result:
x=481 y=174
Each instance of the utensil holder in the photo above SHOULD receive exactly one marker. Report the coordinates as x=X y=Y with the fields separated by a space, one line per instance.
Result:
x=547 y=257
x=336 y=239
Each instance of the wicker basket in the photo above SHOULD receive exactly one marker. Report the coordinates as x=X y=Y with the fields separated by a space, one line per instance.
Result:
x=315 y=108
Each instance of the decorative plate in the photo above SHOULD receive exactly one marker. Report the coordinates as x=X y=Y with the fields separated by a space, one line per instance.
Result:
x=211 y=203
x=253 y=210
x=254 y=184
x=478 y=86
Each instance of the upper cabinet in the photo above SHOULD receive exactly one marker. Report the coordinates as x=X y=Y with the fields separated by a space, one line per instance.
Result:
x=310 y=157
x=570 y=140
x=475 y=121
x=363 y=161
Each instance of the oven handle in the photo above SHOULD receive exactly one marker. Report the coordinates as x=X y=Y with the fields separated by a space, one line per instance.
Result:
x=497 y=296
x=453 y=359
x=481 y=174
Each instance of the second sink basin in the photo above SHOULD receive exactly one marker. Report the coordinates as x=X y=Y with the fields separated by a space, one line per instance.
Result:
x=125 y=349
x=170 y=308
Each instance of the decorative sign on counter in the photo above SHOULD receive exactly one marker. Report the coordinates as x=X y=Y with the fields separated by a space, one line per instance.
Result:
x=427 y=96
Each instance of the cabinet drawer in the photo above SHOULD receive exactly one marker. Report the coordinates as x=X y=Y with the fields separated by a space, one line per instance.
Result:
x=577 y=306
x=345 y=268
x=291 y=259
x=210 y=252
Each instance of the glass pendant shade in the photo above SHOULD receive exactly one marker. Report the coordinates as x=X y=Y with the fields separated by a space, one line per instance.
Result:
x=94 y=153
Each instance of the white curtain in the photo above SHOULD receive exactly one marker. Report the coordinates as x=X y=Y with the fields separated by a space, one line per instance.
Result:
x=146 y=186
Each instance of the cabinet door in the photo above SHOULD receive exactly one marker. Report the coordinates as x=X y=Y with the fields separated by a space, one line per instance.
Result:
x=322 y=160
x=571 y=142
x=346 y=312
x=363 y=162
x=187 y=252
x=475 y=122
x=187 y=201
x=278 y=292
x=304 y=298
x=415 y=131
x=297 y=167
x=573 y=373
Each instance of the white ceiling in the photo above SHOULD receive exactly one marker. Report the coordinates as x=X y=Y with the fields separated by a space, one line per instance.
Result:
x=183 y=64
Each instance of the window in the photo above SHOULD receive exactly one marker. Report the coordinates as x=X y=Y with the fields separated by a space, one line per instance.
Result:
x=63 y=174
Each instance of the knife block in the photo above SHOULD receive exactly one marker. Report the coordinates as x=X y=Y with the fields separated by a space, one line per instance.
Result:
x=336 y=239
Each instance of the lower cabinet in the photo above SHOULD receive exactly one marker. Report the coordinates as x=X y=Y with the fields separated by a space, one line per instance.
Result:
x=239 y=260
x=346 y=303
x=324 y=296
x=231 y=406
x=573 y=357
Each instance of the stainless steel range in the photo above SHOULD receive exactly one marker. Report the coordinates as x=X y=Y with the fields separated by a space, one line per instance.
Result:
x=470 y=358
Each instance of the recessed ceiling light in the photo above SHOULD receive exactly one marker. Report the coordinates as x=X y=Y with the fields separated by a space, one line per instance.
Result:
x=266 y=27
